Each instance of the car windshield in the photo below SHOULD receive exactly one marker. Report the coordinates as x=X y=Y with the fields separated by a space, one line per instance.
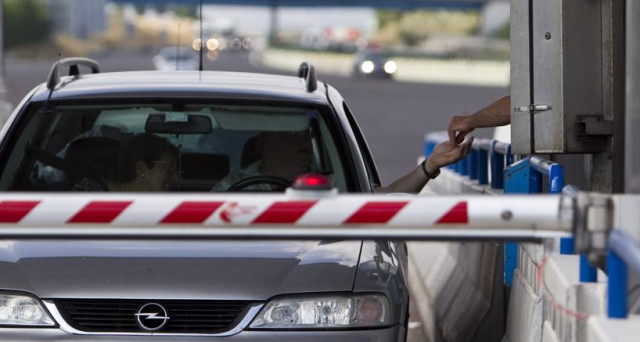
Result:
x=376 y=56
x=179 y=54
x=169 y=147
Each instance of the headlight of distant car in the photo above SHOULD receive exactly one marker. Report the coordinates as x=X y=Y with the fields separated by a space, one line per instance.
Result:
x=367 y=67
x=17 y=309
x=390 y=67
x=212 y=44
x=337 y=311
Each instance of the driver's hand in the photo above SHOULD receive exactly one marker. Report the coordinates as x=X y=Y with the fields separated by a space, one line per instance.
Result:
x=447 y=153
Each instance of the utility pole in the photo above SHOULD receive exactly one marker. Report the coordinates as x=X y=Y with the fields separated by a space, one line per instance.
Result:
x=273 y=24
x=5 y=107
x=2 y=64
x=3 y=73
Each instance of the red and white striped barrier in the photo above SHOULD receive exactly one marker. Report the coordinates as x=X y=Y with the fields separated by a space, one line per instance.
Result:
x=90 y=214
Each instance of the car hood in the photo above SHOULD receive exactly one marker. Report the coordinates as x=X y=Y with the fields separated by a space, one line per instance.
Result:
x=238 y=270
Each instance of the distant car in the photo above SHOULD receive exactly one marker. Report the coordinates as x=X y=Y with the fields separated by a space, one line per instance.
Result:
x=374 y=64
x=173 y=58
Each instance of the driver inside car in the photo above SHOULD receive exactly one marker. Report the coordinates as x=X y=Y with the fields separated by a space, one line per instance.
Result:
x=284 y=156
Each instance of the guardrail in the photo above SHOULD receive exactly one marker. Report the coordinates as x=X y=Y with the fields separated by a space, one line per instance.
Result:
x=494 y=158
x=490 y=163
x=624 y=254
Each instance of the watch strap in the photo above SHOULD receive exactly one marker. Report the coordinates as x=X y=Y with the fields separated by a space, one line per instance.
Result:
x=426 y=172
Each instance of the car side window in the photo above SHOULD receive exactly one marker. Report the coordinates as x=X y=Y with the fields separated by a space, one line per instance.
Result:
x=372 y=172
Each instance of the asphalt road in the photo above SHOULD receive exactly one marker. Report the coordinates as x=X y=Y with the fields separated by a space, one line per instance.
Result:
x=393 y=116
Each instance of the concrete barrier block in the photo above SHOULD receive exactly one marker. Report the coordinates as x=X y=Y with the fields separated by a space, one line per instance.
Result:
x=601 y=329
x=488 y=269
x=561 y=278
x=426 y=255
x=528 y=267
x=437 y=280
x=561 y=272
x=535 y=251
x=448 y=277
x=592 y=299
x=470 y=260
x=524 y=321
x=423 y=303
x=548 y=334
x=462 y=318
x=445 y=298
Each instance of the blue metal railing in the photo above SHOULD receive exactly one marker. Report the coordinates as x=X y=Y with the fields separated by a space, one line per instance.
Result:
x=475 y=165
x=478 y=161
x=501 y=157
x=624 y=254
x=526 y=176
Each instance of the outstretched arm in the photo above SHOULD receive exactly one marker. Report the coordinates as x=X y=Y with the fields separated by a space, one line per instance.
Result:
x=443 y=154
x=497 y=113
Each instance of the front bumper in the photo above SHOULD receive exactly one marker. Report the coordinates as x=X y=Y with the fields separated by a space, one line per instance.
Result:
x=395 y=333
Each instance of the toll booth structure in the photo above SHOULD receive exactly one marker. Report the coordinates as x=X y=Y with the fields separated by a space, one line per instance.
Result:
x=575 y=76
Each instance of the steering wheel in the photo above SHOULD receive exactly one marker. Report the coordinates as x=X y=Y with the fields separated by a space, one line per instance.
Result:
x=255 y=180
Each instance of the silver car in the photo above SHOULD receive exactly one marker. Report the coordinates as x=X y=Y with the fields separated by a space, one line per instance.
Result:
x=176 y=58
x=70 y=132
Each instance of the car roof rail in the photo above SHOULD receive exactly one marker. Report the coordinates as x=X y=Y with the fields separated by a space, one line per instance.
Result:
x=74 y=70
x=308 y=73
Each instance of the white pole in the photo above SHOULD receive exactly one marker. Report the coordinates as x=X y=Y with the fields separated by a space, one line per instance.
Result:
x=291 y=216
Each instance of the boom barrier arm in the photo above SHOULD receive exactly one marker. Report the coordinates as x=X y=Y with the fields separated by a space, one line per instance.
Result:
x=295 y=215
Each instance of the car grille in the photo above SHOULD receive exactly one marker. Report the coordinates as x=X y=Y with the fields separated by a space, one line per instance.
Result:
x=119 y=316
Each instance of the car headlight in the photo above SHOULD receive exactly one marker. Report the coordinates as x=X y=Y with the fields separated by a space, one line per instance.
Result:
x=390 y=67
x=212 y=44
x=337 y=311
x=367 y=67
x=23 y=310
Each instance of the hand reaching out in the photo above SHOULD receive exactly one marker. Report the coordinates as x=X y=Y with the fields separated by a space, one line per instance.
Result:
x=462 y=125
x=497 y=113
x=447 y=153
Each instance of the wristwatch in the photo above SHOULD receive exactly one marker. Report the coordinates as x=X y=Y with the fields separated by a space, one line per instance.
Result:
x=426 y=172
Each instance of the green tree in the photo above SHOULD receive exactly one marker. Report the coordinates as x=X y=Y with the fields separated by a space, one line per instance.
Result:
x=503 y=32
x=25 y=22
x=184 y=11
x=387 y=17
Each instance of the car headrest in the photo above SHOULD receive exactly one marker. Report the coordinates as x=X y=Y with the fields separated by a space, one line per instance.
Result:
x=250 y=152
x=203 y=166
x=92 y=157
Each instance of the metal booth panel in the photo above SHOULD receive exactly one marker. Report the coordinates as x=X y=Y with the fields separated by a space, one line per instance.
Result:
x=549 y=125
x=632 y=108
x=557 y=77
x=520 y=78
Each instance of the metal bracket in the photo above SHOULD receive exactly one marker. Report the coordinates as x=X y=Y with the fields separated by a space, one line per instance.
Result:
x=532 y=108
x=593 y=125
x=593 y=221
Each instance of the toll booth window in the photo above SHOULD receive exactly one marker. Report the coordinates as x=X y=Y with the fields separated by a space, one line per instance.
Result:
x=169 y=147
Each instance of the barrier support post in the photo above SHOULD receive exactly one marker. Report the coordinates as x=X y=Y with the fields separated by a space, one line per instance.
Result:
x=567 y=245
x=519 y=178
x=472 y=161
x=497 y=166
x=588 y=273
x=483 y=167
x=617 y=292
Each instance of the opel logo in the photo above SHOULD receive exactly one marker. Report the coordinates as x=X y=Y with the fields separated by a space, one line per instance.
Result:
x=152 y=317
